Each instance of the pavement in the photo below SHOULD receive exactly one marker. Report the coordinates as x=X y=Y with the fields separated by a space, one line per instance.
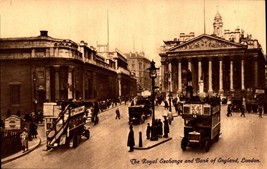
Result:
x=36 y=142
x=148 y=144
x=33 y=144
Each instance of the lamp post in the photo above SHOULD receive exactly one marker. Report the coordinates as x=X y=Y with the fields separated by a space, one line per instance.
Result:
x=169 y=85
x=170 y=101
x=153 y=75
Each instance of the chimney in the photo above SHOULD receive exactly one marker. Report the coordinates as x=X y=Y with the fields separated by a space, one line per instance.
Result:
x=182 y=36
x=43 y=33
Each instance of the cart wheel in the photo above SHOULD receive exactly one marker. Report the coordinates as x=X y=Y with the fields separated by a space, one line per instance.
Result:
x=87 y=134
x=183 y=144
x=207 y=145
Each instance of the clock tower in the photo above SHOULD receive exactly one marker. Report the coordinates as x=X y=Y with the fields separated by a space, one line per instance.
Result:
x=217 y=25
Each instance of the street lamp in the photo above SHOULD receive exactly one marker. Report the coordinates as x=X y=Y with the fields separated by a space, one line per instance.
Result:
x=153 y=75
x=170 y=101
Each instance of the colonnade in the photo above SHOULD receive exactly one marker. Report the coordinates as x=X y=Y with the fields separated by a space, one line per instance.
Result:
x=210 y=68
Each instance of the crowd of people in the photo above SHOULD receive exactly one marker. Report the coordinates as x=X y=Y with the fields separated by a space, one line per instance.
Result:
x=243 y=110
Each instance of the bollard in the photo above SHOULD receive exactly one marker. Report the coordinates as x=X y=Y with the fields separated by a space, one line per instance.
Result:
x=140 y=139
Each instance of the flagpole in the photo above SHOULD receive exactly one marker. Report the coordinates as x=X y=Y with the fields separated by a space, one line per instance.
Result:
x=204 y=19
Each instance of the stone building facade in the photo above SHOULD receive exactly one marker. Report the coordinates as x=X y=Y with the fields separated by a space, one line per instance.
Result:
x=222 y=63
x=42 y=68
x=138 y=64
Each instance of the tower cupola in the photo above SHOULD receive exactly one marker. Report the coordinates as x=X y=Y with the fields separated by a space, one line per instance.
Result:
x=217 y=25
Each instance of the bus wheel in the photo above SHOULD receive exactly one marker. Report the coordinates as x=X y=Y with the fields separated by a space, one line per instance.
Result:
x=75 y=144
x=87 y=134
x=217 y=137
x=79 y=139
x=207 y=145
x=183 y=144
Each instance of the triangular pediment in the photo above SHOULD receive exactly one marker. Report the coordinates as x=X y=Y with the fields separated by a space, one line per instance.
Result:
x=206 y=42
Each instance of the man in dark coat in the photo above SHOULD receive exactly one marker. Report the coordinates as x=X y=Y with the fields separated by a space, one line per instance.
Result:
x=130 y=142
x=166 y=127
x=229 y=113
x=148 y=131
x=260 y=111
x=118 y=116
x=242 y=111
x=166 y=105
x=160 y=130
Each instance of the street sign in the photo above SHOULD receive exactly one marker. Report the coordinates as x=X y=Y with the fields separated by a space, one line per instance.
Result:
x=259 y=91
x=48 y=109
x=13 y=123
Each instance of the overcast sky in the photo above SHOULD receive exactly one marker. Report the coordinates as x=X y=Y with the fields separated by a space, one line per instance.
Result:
x=134 y=25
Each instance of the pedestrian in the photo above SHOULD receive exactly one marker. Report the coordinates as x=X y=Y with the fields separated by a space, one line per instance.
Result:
x=96 y=120
x=160 y=130
x=34 y=130
x=229 y=111
x=242 y=111
x=166 y=127
x=166 y=105
x=170 y=118
x=130 y=142
x=148 y=131
x=24 y=139
x=260 y=111
x=117 y=114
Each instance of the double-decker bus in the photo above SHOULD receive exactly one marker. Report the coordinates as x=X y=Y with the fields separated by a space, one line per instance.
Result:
x=202 y=123
x=67 y=126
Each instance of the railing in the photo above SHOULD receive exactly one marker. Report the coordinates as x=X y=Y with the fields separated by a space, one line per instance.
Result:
x=10 y=142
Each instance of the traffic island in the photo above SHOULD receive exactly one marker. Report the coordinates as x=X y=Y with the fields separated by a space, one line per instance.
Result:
x=150 y=144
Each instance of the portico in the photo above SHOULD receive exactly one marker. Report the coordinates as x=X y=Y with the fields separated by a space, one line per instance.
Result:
x=217 y=65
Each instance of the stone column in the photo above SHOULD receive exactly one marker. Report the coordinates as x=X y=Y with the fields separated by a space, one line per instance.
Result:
x=221 y=76
x=56 y=52
x=179 y=76
x=47 y=84
x=170 y=77
x=200 y=81
x=189 y=65
x=84 y=79
x=70 y=84
x=231 y=75
x=163 y=76
x=33 y=53
x=210 y=76
x=51 y=51
x=242 y=75
x=256 y=72
x=57 y=91
x=119 y=83
x=166 y=76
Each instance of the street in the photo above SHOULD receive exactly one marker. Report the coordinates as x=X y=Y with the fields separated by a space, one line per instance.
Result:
x=242 y=144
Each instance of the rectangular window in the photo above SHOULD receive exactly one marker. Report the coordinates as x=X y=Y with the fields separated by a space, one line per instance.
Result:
x=15 y=94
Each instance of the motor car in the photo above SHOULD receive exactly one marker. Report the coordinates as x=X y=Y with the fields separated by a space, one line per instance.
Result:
x=136 y=114
x=236 y=104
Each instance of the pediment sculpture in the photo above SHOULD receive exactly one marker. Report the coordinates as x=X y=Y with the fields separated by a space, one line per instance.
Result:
x=206 y=43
